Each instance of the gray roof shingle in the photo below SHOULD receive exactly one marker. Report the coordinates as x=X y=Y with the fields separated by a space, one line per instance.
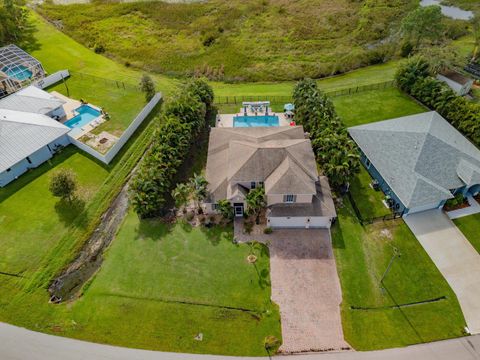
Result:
x=421 y=156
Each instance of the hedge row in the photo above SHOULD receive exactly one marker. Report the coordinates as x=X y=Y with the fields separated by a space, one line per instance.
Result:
x=414 y=78
x=182 y=121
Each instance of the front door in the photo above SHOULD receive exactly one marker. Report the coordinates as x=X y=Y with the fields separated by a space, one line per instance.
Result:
x=238 y=207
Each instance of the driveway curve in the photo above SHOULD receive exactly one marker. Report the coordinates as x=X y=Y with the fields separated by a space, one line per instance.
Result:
x=21 y=344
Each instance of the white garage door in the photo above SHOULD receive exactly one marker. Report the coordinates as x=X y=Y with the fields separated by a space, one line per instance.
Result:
x=299 y=222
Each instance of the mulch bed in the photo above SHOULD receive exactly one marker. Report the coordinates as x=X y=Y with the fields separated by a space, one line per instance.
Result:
x=457 y=207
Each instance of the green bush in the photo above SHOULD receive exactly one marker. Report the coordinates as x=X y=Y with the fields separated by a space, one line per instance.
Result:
x=182 y=121
x=267 y=230
x=458 y=200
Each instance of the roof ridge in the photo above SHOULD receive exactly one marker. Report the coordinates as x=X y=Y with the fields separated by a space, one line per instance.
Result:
x=30 y=123
x=295 y=160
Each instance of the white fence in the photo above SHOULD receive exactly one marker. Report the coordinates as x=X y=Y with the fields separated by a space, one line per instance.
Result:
x=52 y=79
x=108 y=157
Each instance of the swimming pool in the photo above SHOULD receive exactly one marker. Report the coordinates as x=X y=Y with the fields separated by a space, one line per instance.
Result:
x=85 y=115
x=255 y=121
x=18 y=72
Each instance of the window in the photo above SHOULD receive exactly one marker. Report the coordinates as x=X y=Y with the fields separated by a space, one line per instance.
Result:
x=214 y=206
x=260 y=183
x=29 y=161
x=253 y=185
x=289 y=198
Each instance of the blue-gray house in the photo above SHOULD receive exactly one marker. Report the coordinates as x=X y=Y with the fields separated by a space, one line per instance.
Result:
x=420 y=161
x=26 y=141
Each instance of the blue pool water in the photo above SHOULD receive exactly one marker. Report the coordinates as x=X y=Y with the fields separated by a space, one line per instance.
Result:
x=19 y=72
x=255 y=121
x=85 y=115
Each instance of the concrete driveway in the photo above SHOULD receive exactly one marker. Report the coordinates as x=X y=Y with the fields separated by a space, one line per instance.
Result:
x=306 y=287
x=454 y=256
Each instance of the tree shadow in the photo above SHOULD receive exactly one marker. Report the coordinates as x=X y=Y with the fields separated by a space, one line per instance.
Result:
x=72 y=212
x=152 y=229
x=337 y=235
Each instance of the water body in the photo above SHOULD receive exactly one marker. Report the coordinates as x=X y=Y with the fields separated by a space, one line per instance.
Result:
x=450 y=11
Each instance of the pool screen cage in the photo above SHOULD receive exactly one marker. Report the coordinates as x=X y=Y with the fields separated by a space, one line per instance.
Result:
x=17 y=69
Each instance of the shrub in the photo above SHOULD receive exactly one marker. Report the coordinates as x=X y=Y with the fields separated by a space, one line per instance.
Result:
x=190 y=216
x=248 y=226
x=182 y=122
x=271 y=343
x=267 y=230
x=148 y=87
x=99 y=48
x=63 y=184
x=458 y=200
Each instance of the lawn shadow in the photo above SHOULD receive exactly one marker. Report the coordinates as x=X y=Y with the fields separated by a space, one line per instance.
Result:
x=337 y=235
x=217 y=234
x=152 y=229
x=72 y=212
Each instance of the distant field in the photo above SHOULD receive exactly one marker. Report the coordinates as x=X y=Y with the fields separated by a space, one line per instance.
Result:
x=236 y=39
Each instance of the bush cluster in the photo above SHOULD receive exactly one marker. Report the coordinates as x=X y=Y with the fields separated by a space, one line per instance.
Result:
x=182 y=120
x=414 y=78
x=336 y=153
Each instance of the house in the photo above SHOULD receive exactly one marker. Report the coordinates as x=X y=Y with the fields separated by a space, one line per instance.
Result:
x=26 y=141
x=419 y=161
x=34 y=100
x=456 y=81
x=17 y=69
x=281 y=160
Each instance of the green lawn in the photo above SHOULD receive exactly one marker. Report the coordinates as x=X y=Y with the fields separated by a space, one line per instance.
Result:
x=32 y=220
x=189 y=279
x=470 y=227
x=370 y=317
x=368 y=201
x=122 y=104
x=375 y=105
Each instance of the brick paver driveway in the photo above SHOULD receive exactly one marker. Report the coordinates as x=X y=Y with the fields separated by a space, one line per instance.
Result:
x=306 y=287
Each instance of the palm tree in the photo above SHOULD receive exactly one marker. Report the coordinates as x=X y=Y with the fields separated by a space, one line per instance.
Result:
x=181 y=195
x=256 y=201
x=200 y=192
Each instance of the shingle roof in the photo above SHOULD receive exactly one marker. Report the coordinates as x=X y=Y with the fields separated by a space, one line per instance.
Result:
x=31 y=99
x=281 y=157
x=21 y=134
x=421 y=157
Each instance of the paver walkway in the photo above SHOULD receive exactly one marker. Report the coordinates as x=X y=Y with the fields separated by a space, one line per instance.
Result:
x=454 y=256
x=305 y=285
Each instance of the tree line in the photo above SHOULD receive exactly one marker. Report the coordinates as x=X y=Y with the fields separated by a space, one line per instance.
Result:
x=182 y=120
x=335 y=151
x=416 y=77
x=15 y=27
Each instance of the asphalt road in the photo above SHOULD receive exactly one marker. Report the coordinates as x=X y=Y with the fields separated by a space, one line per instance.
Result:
x=22 y=344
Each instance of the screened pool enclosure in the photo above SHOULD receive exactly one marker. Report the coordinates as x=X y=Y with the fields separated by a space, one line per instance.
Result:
x=17 y=69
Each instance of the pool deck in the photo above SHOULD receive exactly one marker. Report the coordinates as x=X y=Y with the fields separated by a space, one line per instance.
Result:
x=69 y=107
x=226 y=120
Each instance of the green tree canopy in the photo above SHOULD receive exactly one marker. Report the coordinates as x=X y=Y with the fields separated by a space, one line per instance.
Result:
x=256 y=201
x=424 y=25
x=226 y=209
x=63 y=184
x=147 y=86
x=14 y=25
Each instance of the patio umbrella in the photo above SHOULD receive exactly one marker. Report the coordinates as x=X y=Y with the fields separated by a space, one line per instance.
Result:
x=289 y=107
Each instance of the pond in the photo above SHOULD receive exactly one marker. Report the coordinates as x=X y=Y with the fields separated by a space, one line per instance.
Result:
x=450 y=11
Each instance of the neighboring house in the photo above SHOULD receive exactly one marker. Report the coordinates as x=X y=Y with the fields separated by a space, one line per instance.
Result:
x=281 y=160
x=17 y=69
x=34 y=100
x=420 y=161
x=26 y=141
x=456 y=81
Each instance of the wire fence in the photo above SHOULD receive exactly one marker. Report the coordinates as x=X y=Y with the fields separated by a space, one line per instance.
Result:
x=366 y=221
x=278 y=99
x=106 y=82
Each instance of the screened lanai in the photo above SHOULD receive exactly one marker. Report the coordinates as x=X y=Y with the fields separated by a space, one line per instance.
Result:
x=17 y=69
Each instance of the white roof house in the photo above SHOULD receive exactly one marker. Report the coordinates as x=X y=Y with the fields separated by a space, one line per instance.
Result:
x=456 y=81
x=23 y=133
x=32 y=100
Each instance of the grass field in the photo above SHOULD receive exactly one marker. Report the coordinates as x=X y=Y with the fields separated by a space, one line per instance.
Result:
x=374 y=316
x=122 y=103
x=470 y=227
x=32 y=220
x=191 y=281
x=368 y=201
x=237 y=39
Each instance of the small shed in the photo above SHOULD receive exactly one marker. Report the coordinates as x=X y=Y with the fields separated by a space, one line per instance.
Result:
x=456 y=81
x=17 y=69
